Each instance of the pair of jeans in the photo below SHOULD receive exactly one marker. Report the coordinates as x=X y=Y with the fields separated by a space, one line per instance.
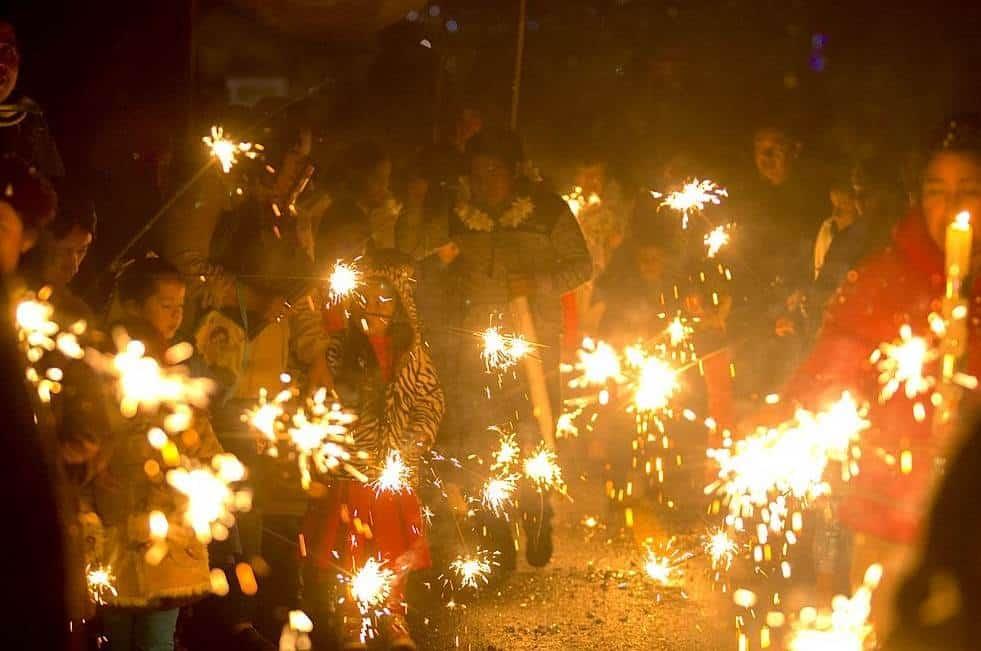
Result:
x=141 y=630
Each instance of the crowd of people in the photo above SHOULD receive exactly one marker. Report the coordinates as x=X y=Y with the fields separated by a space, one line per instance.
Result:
x=823 y=263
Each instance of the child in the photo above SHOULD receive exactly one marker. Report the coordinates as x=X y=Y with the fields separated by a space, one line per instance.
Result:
x=143 y=613
x=382 y=368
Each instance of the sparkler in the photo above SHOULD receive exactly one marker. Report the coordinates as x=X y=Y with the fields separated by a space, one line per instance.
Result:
x=227 y=151
x=344 y=281
x=662 y=562
x=100 y=580
x=211 y=499
x=900 y=364
x=693 y=196
x=501 y=352
x=40 y=335
x=507 y=452
x=599 y=365
x=845 y=628
x=371 y=586
x=472 y=571
x=720 y=548
x=498 y=493
x=543 y=469
x=716 y=239
x=394 y=476
x=656 y=384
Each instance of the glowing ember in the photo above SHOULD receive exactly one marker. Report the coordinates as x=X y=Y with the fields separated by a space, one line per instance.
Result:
x=39 y=335
x=655 y=386
x=693 y=196
x=720 y=548
x=372 y=585
x=211 y=499
x=501 y=352
x=225 y=150
x=344 y=281
x=472 y=571
x=900 y=364
x=394 y=476
x=542 y=468
x=100 y=580
x=677 y=331
x=716 y=239
x=498 y=493
x=845 y=628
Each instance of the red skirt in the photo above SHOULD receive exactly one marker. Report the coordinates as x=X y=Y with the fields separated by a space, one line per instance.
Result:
x=352 y=524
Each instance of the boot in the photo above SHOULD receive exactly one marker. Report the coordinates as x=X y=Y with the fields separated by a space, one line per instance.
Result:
x=536 y=517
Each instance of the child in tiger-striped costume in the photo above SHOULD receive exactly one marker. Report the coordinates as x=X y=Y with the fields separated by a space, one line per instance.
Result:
x=382 y=369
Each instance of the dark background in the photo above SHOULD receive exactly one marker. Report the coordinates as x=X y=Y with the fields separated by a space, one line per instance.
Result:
x=125 y=85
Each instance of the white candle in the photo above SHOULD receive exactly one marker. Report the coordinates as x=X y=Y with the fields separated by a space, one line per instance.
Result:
x=958 y=245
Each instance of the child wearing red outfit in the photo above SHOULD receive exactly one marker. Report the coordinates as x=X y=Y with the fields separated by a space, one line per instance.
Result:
x=382 y=369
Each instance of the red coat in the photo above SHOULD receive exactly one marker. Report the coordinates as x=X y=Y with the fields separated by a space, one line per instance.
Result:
x=902 y=284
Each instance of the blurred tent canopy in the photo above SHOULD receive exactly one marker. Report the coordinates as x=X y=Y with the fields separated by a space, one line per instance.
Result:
x=341 y=21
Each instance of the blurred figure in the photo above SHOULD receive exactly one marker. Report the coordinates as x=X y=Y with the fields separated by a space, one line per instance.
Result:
x=29 y=468
x=364 y=213
x=23 y=130
x=778 y=211
x=885 y=504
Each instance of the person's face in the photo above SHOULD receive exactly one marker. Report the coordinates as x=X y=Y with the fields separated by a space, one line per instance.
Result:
x=774 y=154
x=380 y=301
x=468 y=125
x=14 y=240
x=951 y=184
x=9 y=69
x=376 y=184
x=491 y=180
x=164 y=310
x=63 y=257
x=651 y=261
x=592 y=179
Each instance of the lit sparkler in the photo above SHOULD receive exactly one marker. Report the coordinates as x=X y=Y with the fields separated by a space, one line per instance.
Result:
x=901 y=364
x=501 y=352
x=498 y=493
x=394 y=476
x=227 y=151
x=599 y=365
x=693 y=196
x=543 y=469
x=717 y=238
x=472 y=571
x=40 y=335
x=344 y=281
x=720 y=548
x=371 y=586
x=508 y=452
x=101 y=584
x=662 y=563
x=211 y=497
x=655 y=386
x=845 y=628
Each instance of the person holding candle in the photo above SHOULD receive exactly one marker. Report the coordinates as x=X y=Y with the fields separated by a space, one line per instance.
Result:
x=884 y=505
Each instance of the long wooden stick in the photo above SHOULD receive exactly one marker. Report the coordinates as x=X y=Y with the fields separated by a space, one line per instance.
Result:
x=519 y=57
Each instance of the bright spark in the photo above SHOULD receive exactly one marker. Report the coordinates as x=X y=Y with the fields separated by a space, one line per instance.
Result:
x=693 y=196
x=655 y=386
x=225 y=150
x=498 y=493
x=507 y=452
x=101 y=584
x=662 y=562
x=542 y=468
x=577 y=201
x=501 y=352
x=472 y=571
x=344 y=281
x=211 y=497
x=598 y=363
x=901 y=363
x=394 y=476
x=716 y=239
x=845 y=628
x=371 y=585
x=720 y=548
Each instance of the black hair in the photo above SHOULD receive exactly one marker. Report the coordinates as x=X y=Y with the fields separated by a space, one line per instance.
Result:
x=958 y=134
x=139 y=280
x=27 y=191
x=494 y=143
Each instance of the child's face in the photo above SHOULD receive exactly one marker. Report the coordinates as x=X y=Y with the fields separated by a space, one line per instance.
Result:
x=164 y=310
